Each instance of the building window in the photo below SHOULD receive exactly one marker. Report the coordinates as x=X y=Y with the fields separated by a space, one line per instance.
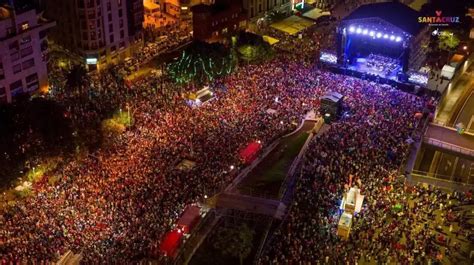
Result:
x=16 y=68
x=2 y=91
x=31 y=78
x=28 y=64
x=111 y=38
x=15 y=56
x=24 y=26
x=14 y=46
x=26 y=51
x=32 y=86
x=25 y=40
x=111 y=27
x=122 y=34
x=120 y=13
x=16 y=85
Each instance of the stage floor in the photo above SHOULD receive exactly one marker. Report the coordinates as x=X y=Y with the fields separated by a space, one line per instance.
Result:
x=361 y=65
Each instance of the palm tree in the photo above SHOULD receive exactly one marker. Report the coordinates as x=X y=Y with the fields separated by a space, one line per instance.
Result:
x=235 y=242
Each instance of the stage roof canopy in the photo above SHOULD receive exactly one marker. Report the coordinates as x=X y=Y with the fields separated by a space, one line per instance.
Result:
x=394 y=13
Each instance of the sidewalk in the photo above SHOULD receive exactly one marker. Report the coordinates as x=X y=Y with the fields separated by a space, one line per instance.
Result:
x=453 y=97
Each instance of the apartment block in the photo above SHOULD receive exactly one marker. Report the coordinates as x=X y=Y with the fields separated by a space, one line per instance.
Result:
x=23 y=51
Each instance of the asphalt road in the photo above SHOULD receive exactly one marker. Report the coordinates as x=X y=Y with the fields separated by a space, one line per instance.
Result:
x=466 y=116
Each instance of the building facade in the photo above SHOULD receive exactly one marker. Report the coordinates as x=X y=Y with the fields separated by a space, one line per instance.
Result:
x=23 y=52
x=258 y=8
x=213 y=22
x=100 y=32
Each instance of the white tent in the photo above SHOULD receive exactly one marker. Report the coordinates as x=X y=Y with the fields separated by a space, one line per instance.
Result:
x=448 y=71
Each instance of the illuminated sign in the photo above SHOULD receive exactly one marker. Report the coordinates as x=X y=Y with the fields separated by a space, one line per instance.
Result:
x=438 y=20
x=91 y=61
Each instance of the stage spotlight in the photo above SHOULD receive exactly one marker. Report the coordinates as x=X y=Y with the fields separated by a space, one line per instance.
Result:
x=371 y=33
x=398 y=39
x=392 y=37
x=385 y=36
x=351 y=29
x=379 y=35
x=365 y=32
x=359 y=30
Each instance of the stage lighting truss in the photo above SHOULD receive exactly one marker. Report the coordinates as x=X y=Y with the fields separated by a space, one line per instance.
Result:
x=328 y=57
x=373 y=34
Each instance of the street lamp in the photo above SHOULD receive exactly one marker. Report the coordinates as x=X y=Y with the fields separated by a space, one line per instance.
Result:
x=464 y=47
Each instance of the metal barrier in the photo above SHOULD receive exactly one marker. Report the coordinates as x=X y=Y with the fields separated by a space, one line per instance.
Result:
x=422 y=177
x=448 y=146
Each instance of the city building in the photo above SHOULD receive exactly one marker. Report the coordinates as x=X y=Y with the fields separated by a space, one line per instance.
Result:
x=181 y=8
x=213 y=22
x=99 y=32
x=177 y=13
x=23 y=51
x=258 y=8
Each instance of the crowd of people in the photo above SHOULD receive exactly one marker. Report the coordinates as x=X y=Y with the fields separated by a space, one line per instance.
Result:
x=115 y=204
x=368 y=144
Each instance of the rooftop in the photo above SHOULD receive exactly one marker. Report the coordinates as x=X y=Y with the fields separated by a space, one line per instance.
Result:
x=394 y=13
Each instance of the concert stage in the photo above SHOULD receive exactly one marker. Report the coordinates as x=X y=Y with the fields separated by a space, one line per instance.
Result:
x=381 y=67
x=379 y=41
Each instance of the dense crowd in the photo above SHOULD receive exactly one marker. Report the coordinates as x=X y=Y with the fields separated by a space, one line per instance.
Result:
x=369 y=143
x=115 y=204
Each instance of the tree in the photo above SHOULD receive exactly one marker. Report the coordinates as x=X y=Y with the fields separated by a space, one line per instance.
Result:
x=448 y=41
x=235 y=242
x=31 y=128
x=202 y=62
x=275 y=16
x=77 y=78
x=252 y=47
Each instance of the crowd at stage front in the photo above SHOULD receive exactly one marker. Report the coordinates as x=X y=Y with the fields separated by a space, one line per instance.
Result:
x=369 y=143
